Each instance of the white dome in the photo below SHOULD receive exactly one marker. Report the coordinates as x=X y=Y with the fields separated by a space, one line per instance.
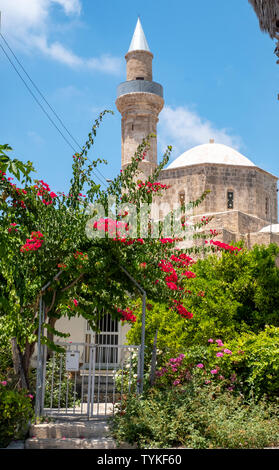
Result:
x=211 y=153
x=274 y=228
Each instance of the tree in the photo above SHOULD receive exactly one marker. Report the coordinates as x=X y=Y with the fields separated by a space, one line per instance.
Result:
x=43 y=241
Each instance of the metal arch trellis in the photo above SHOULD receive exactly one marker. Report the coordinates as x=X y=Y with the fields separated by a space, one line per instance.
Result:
x=42 y=350
x=142 y=346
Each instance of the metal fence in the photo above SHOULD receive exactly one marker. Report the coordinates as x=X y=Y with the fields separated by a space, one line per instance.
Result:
x=87 y=379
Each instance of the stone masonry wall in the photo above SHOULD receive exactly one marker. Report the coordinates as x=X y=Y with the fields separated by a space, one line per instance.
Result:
x=139 y=118
x=250 y=185
x=139 y=64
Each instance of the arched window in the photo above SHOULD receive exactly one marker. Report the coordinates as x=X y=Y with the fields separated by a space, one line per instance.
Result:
x=267 y=207
x=181 y=197
x=230 y=199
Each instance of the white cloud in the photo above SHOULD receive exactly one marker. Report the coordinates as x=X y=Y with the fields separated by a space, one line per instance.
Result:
x=183 y=129
x=70 y=6
x=35 y=138
x=105 y=63
x=27 y=24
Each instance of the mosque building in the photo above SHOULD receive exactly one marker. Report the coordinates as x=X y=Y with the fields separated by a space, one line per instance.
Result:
x=243 y=197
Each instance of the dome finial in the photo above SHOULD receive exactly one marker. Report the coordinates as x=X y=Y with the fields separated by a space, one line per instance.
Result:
x=139 y=42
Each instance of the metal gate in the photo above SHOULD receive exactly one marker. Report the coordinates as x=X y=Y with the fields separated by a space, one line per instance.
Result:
x=86 y=379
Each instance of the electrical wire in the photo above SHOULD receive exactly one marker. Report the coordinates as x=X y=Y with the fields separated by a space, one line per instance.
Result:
x=47 y=103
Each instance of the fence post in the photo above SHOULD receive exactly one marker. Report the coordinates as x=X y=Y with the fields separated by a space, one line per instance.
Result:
x=153 y=360
x=142 y=346
x=39 y=366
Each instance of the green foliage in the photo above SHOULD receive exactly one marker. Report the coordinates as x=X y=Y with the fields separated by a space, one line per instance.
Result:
x=255 y=362
x=16 y=411
x=230 y=295
x=6 y=360
x=14 y=167
x=196 y=417
x=127 y=375
x=247 y=365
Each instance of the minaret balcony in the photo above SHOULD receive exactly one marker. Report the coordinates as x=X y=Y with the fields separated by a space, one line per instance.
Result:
x=139 y=86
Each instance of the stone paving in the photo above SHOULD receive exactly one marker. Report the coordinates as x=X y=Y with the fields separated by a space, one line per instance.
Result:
x=71 y=431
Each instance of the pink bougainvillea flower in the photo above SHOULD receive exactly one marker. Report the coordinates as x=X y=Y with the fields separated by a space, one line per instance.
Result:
x=214 y=371
x=75 y=302
x=127 y=315
x=171 y=285
x=210 y=340
x=219 y=354
x=200 y=366
x=227 y=351
x=4 y=383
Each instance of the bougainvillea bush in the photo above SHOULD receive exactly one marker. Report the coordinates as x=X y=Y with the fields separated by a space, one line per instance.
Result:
x=45 y=241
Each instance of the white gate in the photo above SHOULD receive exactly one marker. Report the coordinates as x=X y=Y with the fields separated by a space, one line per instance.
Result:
x=88 y=379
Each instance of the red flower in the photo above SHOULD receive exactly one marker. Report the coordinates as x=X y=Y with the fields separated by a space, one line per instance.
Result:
x=171 y=285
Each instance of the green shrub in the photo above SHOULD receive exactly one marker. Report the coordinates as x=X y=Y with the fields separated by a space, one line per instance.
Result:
x=196 y=417
x=247 y=365
x=255 y=361
x=16 y=411
x=231 y=295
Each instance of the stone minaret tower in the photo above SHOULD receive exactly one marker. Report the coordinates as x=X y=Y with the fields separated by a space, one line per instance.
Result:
x=139 y=100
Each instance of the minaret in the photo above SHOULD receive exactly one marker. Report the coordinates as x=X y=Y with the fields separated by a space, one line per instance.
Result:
x=139 y=100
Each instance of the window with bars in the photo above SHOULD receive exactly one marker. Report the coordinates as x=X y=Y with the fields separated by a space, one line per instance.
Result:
x=230 y=199
x=106 y=337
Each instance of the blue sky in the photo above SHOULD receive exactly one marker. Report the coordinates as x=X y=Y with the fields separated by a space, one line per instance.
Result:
x=217 y=68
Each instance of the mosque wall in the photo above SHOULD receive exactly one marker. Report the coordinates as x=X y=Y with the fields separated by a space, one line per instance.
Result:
x=254 y=192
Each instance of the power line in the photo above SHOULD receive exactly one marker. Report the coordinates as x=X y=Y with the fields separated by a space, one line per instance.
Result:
x=35 y=98
x=40 y=93
x=40 y=105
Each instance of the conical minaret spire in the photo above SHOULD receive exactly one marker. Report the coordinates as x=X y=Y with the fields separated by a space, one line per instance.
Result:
x=139 y=101
x=139 y=42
